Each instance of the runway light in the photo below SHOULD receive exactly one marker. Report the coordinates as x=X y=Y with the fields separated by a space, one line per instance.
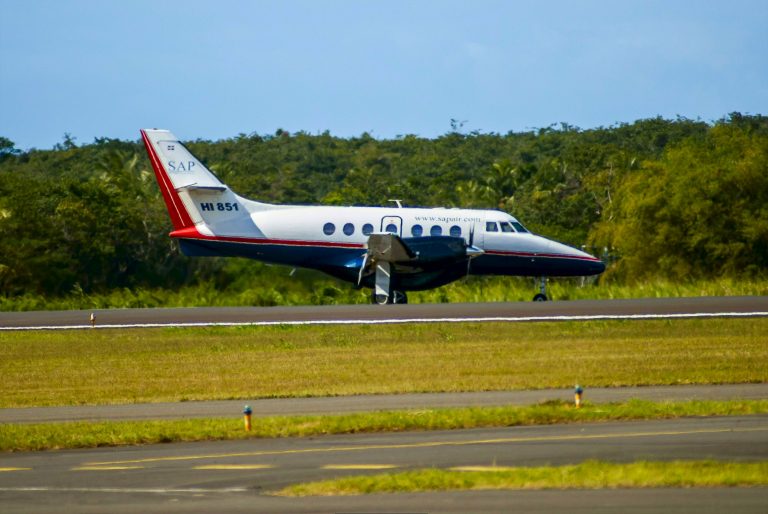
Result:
x=247 y=417
x=578 y=391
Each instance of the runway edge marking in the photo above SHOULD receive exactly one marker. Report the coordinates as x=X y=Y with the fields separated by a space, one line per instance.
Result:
x=510 y=319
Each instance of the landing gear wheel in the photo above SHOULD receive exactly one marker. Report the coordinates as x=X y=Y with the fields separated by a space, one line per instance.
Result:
x=542 y=296
x=398 y=297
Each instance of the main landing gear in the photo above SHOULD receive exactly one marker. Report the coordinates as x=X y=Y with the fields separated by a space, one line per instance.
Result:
x=398 y=297
x=542 y=296
x=382 y=292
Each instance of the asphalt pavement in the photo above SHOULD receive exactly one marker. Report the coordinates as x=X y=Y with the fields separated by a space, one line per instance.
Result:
x=237 y=476
x=366 y=403
x=509 y=311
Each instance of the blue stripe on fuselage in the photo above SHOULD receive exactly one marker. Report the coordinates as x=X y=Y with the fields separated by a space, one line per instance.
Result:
x=534 y=266
x=291 y=255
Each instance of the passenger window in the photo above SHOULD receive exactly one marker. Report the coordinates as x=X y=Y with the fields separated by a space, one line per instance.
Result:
x=506 y=227
x=436 y=230
x=519 y=227
x=456 y=231
x=490 y=226
x=417 y=230
x=367 y=229
x=329 y=229
x=349 y=229
x=391 y=228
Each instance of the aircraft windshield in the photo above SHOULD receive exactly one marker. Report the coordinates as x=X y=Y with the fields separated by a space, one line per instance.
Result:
x=519 y=227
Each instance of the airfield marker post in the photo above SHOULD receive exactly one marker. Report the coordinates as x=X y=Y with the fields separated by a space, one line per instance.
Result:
x=247 y=417
x=577 y=394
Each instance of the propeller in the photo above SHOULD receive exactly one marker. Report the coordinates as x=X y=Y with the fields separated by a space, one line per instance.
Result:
x=471 y=250
x=362 y=269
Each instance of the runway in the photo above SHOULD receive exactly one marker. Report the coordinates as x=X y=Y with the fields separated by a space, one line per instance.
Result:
x=235 y=475
x=366 y=403
x=646 y=308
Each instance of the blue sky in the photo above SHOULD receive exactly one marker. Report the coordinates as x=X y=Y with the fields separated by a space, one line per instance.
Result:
x=205 y=69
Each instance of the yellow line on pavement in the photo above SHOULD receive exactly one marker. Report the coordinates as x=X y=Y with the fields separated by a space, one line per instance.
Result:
x=482 y=468
x=359 y=466
x=15 y=469
x=432 y=444
x=105 y=468
x=234 y=466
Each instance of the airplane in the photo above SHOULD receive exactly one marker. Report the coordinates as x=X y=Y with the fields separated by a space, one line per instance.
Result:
x=390 y=250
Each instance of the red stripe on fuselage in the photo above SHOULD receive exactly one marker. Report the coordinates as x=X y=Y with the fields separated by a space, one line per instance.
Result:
x=544 y=255
x=176 y=210
x=192 y=233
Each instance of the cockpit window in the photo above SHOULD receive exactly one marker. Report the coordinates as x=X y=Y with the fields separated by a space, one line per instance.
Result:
x=519 y=227
x=506 y=227
x=490 y=226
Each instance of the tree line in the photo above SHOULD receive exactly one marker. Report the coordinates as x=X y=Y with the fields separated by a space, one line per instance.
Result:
x=666 y=199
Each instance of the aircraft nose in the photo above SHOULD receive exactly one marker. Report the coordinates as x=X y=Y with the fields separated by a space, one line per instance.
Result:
x=583 y=263
x=593 y=266
x=596 y=267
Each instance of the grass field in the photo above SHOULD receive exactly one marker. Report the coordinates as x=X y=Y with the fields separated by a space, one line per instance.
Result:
x=587 y=475
x=48 y=436
x=151 y=365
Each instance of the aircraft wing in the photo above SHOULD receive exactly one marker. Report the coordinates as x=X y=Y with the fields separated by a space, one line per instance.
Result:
x=388 y=247
x=414 y=254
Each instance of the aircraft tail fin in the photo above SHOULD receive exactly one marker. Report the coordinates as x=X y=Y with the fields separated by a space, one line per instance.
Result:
x=195 y=197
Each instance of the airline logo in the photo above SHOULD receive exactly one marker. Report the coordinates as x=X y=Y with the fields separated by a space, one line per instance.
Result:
x=181 y=166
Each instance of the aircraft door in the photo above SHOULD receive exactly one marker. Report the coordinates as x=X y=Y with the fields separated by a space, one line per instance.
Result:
x=478 y=233
x=393 y=224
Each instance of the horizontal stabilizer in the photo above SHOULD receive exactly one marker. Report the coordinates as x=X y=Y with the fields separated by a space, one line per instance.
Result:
x=195 y=187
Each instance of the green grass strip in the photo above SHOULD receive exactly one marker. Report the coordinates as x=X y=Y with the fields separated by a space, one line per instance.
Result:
x=46 y=436
x=587 y=475
x=112 y=366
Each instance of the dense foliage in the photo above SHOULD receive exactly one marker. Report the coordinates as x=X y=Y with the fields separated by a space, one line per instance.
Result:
x=666 y=199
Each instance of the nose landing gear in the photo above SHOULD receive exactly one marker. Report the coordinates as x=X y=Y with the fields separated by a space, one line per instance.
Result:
x=542 y=295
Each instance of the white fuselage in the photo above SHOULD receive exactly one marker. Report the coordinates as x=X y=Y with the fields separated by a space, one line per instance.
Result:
x=408 y=248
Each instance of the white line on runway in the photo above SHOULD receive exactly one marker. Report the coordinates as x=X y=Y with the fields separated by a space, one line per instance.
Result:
x=130 y=490
x=595 y=317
